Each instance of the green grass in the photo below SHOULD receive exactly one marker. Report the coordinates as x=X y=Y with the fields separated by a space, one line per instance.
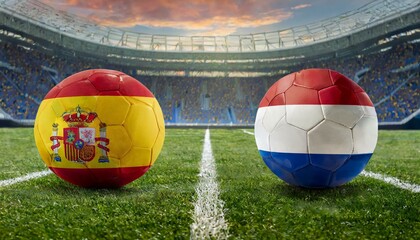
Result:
x=19 y=155
x=157 y=205
x=258 y=205
x=397 y=154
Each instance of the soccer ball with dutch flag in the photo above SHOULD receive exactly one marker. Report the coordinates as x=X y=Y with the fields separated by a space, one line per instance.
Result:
x=316 y=128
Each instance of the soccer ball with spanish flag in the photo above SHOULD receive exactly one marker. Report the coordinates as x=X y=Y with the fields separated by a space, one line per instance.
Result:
x=99 y=129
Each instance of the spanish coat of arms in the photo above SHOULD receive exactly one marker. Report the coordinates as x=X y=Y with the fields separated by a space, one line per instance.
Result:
x=79 y=137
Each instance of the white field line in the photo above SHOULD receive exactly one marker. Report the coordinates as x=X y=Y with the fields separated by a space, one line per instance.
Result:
x=394 y=181
x=391 y=180
x=247 y=132
x=8 y=182
x=208 y=219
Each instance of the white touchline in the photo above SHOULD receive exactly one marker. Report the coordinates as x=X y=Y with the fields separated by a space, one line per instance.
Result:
x=208 y=219
x=394 y=181
x=247 y=132
x=391 y=180
x=30 y=176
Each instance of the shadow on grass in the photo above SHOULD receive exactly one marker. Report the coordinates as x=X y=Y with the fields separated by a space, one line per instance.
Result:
x=60 y=187
x=352 y=189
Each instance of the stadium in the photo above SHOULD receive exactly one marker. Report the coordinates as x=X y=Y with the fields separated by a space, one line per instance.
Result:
x=216 y=83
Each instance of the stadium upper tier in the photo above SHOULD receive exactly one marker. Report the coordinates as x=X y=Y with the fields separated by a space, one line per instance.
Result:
x=40 y=20
x=391 y=78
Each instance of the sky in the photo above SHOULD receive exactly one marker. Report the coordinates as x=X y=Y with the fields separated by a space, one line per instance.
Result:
x=205 y=17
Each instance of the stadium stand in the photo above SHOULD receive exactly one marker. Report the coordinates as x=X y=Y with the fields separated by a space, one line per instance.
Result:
x=392 y=81
x=213 y=80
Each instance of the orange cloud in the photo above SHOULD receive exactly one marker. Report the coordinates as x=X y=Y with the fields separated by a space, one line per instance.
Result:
x=216 y=17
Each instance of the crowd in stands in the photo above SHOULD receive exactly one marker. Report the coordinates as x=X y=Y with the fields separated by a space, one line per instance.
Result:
x=391 y=79
x=403 y=102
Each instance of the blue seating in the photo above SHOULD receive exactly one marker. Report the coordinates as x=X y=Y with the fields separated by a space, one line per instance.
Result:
x=391 y=79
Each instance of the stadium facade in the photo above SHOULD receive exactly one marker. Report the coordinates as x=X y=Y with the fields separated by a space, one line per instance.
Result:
x=380 y=26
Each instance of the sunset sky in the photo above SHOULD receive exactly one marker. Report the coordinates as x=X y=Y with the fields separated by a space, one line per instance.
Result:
x=205 y=17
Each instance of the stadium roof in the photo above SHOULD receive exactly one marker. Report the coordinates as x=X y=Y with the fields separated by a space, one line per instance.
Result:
x=372 y=14
x=40 y=26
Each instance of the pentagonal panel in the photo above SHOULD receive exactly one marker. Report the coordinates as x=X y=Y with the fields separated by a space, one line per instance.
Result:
x=312 y=177
x=70 y=104
x=287 y=138
x=351 y=168
x=270 y=94
x=53 y=93
x=291 y=161
x=45 y=119
x=112 y=110
x=301 y=95
x=272 y=116
x=43 y=130
x=261 y=134
x=330 y=138
x=119 y=141
x=75 y=78
x=277 y=169
x=275 y=94
x=142 y=126
x=157 y=147
x=313 y=78
x=342 y=80
x=363 y=99
x=264 y=102
x=284 y=83
x=365 y=135
x=304 y=116
x=369 y=111
x=329 y=162
x=78 y=88
x=105 y=81
x=279 y=99
x=149 y=101
x=137 y=157
x=58 y=107
x=338 y=95
x=131 y=87
x=347 y=115
x=43 y=146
